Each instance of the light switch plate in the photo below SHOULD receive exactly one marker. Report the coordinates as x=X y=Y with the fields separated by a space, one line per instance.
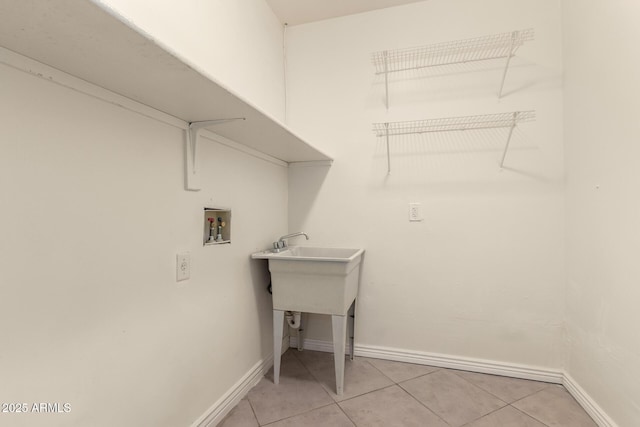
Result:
x=183 y=266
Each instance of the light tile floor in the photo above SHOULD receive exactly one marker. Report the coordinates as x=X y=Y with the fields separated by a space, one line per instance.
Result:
x=384 y=393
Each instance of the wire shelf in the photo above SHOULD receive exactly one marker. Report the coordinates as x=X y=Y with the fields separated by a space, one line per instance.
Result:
x=453 y=124
x=495 y=46
x=448 y=124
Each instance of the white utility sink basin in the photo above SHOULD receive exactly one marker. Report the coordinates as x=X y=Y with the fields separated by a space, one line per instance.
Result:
x=311 y=254
x=315 y=280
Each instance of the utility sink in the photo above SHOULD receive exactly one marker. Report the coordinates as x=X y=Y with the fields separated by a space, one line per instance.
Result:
x=313 y=280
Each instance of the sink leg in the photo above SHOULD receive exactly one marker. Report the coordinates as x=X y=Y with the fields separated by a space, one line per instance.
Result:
x=352 y=322
x=339 y=324
x=278 y=318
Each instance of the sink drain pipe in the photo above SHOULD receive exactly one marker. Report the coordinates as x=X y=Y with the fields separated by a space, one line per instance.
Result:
x=294 y=320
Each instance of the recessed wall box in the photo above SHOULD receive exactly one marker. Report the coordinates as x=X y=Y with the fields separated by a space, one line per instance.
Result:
x=216 y=226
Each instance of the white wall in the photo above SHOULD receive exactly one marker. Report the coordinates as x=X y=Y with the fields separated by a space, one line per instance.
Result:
x=603 y=207
x=237 y=42
x=483 y=275
x=93 y=214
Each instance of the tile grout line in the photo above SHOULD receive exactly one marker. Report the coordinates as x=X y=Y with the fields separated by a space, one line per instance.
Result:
x=532 y=394
x=346 y=415
x=435 y=369
x=334 y=401
x=253 y=411
x=383 y=388
x=414 y=398
x=511 y=406
x=396 y=383
x=420 y=376
x=485 y=415
x=304 y=365
x=376 y=368
x=419 y=402
x=364 y=394
x=529 y=415
x=547 y=386
x=487 y=391
x=455 y=371
x=479 y=388
x=312 y=375
x=353 y=397
x=296 y=415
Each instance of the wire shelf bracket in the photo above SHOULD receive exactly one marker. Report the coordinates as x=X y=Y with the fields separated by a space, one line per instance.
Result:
x=454 y=124
x=191 y=158
x=495 y=46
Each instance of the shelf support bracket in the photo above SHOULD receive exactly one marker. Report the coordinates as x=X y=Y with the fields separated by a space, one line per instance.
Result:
x=386 y=134
x=191 y=150
x=386 y=79
x=514 y=36
x=506 y=147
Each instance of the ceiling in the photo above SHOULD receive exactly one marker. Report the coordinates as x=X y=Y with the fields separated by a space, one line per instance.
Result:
x=294 y=12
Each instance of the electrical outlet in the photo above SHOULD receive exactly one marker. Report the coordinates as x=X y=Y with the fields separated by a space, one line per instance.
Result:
x=183 y=266
x=415 y=212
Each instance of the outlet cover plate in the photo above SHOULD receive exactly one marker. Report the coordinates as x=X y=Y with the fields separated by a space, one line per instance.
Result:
x=183 y=266
x=415 y=212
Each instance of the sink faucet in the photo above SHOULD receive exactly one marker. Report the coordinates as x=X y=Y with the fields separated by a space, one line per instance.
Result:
x=282 y=243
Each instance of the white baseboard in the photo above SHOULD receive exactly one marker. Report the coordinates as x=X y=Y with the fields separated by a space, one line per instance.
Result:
x=231 y=398
x=234 y=395
x=221 y=408
x=315 y=345
x=442 y=361
x=593 y=409
x=462 y=363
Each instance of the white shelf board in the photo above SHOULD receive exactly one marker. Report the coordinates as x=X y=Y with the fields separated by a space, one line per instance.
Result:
x=85 y=40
